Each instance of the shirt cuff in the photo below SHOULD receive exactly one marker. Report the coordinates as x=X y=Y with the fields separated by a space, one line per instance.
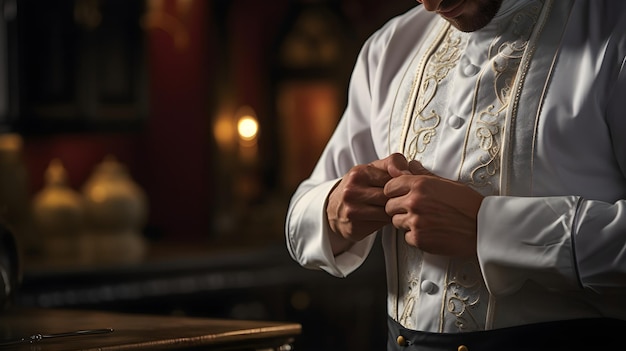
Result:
x=308 y=236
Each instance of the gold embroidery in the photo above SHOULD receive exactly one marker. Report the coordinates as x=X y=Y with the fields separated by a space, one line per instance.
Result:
x=465 y=300
x=409 y=303
x=482 y=153
x=487 y=130
x=438 y=67
x=489 y=124
x=409 y=273
x=464 y=290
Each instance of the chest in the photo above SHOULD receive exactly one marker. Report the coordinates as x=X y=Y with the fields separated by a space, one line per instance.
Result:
x=459 y=99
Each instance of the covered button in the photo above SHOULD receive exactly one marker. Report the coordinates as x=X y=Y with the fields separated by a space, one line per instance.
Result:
x=455 y=122
x=471 y=70
x=428 y=286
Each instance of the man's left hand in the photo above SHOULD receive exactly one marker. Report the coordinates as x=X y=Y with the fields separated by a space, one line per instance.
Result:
x=438 y=215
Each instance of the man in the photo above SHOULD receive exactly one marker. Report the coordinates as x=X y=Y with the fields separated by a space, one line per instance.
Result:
x=485 y=142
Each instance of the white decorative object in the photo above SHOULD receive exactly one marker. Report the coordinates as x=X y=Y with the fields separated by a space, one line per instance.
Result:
x=58 y=213
x=116 y=209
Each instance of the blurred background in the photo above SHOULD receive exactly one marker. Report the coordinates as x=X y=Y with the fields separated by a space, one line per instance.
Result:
x=149 y=148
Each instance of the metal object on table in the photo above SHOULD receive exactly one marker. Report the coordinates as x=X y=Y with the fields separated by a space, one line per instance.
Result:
x=38 y=337
x=135 y=332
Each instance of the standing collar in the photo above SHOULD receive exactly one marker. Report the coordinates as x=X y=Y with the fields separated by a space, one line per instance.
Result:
x=508 y=10
x=510 y=6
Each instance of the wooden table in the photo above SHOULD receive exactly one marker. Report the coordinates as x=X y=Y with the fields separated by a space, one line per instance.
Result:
x=140 y=332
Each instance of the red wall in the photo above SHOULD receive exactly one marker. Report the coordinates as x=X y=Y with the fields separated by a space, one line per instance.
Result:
x=172 y=156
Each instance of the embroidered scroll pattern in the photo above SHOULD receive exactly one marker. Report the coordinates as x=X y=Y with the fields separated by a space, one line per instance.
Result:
x=464 y=290
x=465 y=287
x=464 y=297
x=487 y=129
x=409 y=303
x=443 y=60
x=410 y=271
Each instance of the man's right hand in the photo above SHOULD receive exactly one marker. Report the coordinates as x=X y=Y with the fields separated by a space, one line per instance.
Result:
x=356 y=206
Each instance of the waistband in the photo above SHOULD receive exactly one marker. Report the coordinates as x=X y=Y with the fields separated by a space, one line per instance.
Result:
x=577 y=334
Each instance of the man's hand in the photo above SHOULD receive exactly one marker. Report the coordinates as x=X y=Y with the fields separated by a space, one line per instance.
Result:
x=439 y=215
x=356 y=206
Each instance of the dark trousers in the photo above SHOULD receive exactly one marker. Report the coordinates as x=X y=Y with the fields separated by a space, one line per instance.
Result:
x=580 y=334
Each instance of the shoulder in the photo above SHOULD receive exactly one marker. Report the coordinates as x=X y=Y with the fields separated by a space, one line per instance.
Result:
x=600 y=15
x=406 y=26
x=399 y=36
x=600 y=24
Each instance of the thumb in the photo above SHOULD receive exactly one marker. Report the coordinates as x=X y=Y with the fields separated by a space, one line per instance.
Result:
x=397 y=165
x=416 y=168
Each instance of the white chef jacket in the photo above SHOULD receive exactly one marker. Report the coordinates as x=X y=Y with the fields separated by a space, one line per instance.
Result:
x=529 y=111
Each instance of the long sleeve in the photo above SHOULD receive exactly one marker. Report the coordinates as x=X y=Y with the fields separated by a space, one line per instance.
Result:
x=351 y=144
x=561 y=243
x=568 y=243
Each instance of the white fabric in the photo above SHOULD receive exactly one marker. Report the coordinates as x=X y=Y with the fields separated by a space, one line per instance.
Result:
x=552 y=229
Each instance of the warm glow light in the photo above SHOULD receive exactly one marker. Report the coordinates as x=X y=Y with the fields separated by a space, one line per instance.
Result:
x=224 y=132
x=248 y=128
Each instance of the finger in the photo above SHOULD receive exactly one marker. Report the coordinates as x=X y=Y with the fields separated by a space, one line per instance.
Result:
x=398 y=186
x=395 y=164
x=361 y=186
x=368 y=196
x=415 y=167
x=352 y=212
x=394 y=207
x=356 y=226
x=371 y=214
x=377 y=177
x=366 y=176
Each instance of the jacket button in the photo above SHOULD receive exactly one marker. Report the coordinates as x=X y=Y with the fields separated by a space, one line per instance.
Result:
x=428 y=287
x=455 y=122
x=462 y=348
x=471 y=70
x=401 y=340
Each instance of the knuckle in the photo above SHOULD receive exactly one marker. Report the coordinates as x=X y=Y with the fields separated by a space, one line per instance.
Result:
x=420 y=184
x=415 y=222
x=349 y=192
x=352 y=175
x=422 y=188
x=349 y=212
x=413 y=202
